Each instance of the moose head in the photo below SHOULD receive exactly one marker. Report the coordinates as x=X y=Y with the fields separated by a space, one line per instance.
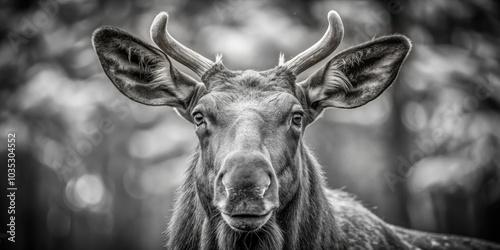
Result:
x=249 y=167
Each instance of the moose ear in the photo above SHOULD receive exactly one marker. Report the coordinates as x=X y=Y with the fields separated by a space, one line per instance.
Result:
x=357 y=75
x=142 y=72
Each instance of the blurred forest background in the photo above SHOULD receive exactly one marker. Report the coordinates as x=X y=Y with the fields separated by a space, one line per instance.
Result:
x=97 y=171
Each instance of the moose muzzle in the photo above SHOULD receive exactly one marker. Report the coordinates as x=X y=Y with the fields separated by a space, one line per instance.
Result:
x=246 y=190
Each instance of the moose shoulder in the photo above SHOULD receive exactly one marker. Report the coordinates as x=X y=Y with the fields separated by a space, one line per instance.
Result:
x=252 y=183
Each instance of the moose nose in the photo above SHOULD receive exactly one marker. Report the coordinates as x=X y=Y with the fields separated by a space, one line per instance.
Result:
x=246 y=178
x=246 y=174
x=246 y=182
x=246 y=190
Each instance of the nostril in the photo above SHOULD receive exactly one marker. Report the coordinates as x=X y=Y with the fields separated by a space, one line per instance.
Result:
x=228 y=190
x=261 y=191
x=221 y=179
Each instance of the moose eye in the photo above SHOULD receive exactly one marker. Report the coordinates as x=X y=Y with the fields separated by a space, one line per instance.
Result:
x=198 y=119
x=297 y=119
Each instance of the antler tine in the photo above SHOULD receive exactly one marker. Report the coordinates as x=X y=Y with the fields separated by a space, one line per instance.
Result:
x=320 y=50
x=159 y=34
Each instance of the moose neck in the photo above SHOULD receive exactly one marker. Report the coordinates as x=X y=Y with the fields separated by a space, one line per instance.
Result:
x=305 y=222
x=307 y=219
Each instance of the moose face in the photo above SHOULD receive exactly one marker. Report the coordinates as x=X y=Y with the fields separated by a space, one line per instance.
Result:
x=249 y=123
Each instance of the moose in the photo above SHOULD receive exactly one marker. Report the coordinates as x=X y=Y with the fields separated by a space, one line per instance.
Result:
x=252 y=182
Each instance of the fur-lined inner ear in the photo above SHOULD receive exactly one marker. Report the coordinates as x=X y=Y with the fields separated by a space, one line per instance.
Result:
x=150 y=69
x=357 y=75
x=142 y=72
x=157 y=67
x=334 y=82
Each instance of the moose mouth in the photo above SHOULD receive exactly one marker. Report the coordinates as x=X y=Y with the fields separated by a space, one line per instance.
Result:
x=246 y=222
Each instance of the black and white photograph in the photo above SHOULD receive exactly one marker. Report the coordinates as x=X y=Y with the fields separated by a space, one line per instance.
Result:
x=249 y=124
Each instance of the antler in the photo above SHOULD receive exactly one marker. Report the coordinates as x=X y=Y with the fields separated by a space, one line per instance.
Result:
x=159 y=34
x=322 y=49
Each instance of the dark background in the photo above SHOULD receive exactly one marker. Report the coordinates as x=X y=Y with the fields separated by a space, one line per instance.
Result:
x=98 y=171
